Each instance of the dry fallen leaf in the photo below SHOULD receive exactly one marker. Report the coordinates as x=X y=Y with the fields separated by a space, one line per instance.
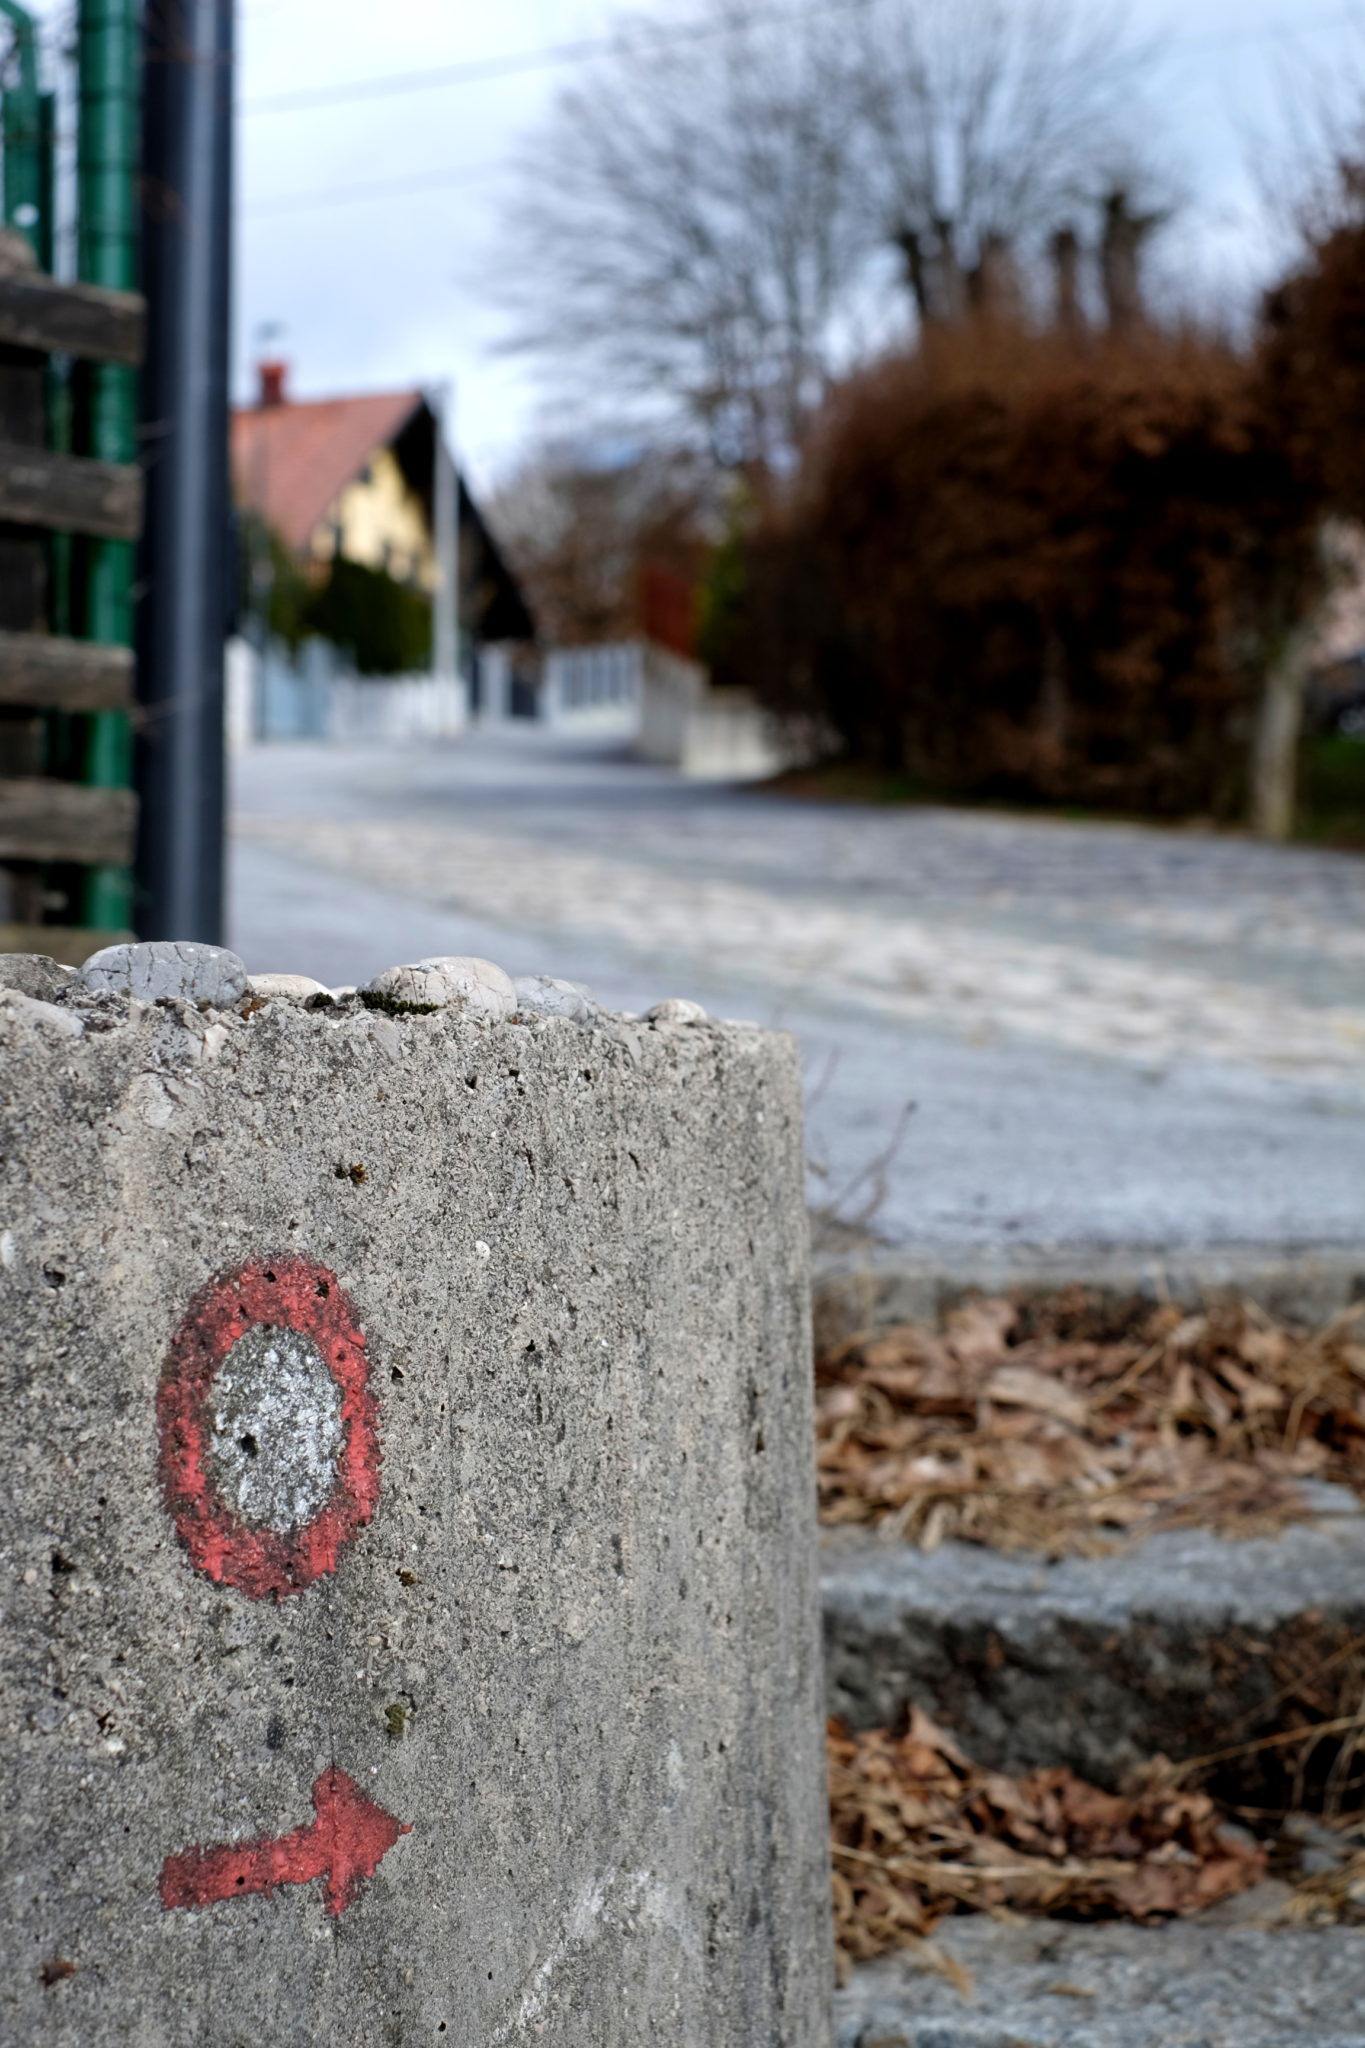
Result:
x=918 y=1832
x=1016 y=1386
x=1070 y=1422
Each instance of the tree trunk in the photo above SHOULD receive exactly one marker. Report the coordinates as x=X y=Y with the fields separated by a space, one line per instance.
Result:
x=934 y=273
x=1065 y=250
x=1275 y=742
x=1123 y=240
x=993 y=286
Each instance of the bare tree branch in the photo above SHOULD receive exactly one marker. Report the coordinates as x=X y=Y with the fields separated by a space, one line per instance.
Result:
x=986 y=124
x=702 y=222
x=687 y=225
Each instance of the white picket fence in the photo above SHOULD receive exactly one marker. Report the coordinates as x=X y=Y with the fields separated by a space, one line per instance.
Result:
x=315 y=698
x=664 y=706
x=594 y=689
x=660 y=706
x=712 y=735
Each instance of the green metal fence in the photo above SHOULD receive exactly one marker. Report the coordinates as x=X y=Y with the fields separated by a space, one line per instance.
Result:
x=74 y=196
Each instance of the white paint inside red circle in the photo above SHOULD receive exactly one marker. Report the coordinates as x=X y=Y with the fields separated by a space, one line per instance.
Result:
x=275 y=1416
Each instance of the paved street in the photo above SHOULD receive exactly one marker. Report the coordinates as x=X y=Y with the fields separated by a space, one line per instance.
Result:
x=1112 y=1035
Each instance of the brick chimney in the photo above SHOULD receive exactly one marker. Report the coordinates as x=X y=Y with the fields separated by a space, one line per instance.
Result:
x=271 y=391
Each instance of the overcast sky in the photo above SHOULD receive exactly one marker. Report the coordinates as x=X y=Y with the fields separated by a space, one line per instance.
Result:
x=368 y=228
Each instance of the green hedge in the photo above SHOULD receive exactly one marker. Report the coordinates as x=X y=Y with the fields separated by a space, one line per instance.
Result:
x=384 y=627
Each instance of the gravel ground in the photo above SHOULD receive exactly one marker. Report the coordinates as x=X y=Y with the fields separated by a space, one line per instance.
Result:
x=1114 y=1035
x=1193 y=1984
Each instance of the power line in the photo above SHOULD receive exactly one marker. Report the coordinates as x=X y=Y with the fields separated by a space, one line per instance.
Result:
x=377 y=188
x=458 y=174
x=508 y=66
x=552 y=55
x=422 y=81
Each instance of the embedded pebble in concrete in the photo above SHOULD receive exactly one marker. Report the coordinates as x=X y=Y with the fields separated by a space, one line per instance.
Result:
x=476 y=987
x=676 y=1010
x=285 y=988
x=276 y=1428
x=164 y=971
x=545 y=995
x=34 y=1011
x=33 y=974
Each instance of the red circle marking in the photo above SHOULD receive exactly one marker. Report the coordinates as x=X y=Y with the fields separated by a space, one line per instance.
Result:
x=286 y=1294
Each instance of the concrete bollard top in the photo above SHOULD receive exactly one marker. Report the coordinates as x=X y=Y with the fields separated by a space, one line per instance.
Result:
x=407 y=1536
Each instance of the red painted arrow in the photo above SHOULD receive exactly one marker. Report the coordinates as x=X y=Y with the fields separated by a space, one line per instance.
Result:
x=345 y=1844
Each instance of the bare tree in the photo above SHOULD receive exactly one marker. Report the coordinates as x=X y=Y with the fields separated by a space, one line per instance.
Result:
x=986 y=125
x=687 y=228
x=579 y=527
x=1305 y=160
x=708 y=213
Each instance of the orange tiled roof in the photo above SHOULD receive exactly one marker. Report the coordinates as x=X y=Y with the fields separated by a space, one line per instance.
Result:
x=290 y=461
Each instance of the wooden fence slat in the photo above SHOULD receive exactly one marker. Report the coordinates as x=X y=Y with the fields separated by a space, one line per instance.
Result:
x=69 y=493
x=64 y=675
x=83 y=320
x=48 y=820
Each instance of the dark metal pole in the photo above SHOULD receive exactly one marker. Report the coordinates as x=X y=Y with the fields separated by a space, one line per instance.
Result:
x=185 y=565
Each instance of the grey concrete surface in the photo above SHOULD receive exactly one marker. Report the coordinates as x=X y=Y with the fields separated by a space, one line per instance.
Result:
x=1193 y=1984
x=562 y=1630
x=1095 y=1662
x=1114 y=1037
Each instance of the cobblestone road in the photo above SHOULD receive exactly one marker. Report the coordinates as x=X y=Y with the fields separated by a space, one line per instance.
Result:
x=1111 y=1032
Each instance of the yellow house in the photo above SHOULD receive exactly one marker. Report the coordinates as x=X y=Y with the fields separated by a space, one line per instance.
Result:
x=357 y=478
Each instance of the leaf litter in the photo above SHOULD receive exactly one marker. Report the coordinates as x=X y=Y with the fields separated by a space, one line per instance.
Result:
x=1070 y=1423
x=919 y=1832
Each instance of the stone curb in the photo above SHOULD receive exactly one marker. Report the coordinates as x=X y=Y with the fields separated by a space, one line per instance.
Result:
x=1221 y=1980
x=1169 y=1647
x=872 y=1286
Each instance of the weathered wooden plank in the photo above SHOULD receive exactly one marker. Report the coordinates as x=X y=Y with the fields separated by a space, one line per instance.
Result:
x=81 y=320
x=69 y=493
x=64 y=675
x=23 y=556
x=71 y=944
x=47 y=820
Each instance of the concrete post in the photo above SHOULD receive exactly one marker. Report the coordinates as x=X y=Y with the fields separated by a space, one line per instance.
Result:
x=406 y=1529
x=1279 y=727
x=445 y=526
